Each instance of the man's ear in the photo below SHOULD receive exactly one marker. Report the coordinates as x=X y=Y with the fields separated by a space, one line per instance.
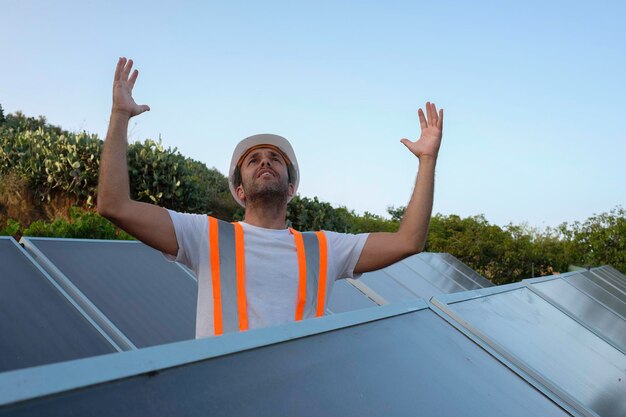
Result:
x=290 y=190
x=240 y=193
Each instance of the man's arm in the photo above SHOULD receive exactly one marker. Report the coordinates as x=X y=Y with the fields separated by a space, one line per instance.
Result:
x=149 y=223
x=384 y=249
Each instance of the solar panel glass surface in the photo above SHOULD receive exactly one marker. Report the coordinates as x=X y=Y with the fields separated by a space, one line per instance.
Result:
x=597 y=292
x=603 y=321
x=481 y=282
x=610 y=278
x=608 y=286
x=566 y=354
x=38 y=324
x=432 y=274
x=346 y=298
x=386 y=287
x=152 y=301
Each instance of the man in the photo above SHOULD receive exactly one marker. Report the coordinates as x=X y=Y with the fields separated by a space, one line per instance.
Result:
x=257 y=272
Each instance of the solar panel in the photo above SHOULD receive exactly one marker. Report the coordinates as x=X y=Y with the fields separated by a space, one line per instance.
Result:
x=608 y=277
x=562 y=354
x=449 y=271
x=598 y=293
x=38 y=322
x=386 y=287
x=150 y=300
x=481 y=281
x=435 y=276
x=346 y=297
x=598 y=280
x=419 y=276
x=580 y=306
x=619 y=275
x=413 y=280
x=406 y=364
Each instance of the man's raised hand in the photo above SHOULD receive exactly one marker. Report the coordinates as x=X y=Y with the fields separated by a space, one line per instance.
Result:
x=123 y=84
x=427 y=146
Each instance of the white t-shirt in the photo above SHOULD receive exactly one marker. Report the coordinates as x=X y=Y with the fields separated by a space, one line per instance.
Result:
x=271 y=268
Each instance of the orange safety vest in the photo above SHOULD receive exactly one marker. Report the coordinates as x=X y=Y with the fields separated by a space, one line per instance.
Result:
x=227 y=257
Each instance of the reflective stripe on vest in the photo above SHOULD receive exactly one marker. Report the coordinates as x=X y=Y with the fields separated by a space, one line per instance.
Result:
x=227 y=258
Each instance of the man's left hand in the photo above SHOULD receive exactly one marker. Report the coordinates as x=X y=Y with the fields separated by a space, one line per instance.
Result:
x=427 y=146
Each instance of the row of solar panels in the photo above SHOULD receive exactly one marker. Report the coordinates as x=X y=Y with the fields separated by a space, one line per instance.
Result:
x=544 y=347
x=64 y=299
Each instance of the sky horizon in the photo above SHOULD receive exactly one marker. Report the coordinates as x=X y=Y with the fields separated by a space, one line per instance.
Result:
x=534 y=129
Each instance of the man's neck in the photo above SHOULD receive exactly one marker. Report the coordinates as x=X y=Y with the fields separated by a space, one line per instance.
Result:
x=268 y=217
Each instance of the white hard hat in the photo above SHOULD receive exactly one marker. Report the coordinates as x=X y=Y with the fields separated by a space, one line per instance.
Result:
x=255 y=141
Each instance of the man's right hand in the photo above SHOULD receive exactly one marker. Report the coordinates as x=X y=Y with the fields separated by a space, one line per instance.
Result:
x=123 y=83
x=149 y=223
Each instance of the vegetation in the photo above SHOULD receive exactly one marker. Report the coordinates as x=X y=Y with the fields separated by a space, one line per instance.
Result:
x=48 y=187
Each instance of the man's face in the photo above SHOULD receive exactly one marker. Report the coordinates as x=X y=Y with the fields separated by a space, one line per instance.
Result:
x=264 y=177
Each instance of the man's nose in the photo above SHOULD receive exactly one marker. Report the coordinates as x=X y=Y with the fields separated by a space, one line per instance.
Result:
x=266 y=161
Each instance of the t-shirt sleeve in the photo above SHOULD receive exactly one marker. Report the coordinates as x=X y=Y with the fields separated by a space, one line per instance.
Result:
x=190 y=230
x=346 y=249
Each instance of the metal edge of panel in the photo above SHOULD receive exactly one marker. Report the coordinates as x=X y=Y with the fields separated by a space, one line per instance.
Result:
x=539 y=280
x=367 y=291
x=477 y=293
x=74 y=293
x=608 y=282
x=27 y=384
x=537 y=291
x=65 y=295
x=550 y=389
x=65 y=239
x=187 y=272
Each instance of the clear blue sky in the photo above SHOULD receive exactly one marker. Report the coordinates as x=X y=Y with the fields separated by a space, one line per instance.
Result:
x=534 y=92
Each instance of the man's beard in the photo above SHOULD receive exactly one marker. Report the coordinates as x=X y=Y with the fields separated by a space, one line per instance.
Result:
x=258 y=193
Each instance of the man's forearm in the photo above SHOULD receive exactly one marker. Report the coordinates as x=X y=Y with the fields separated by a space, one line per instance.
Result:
x=113 y=184
x=414 y=225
